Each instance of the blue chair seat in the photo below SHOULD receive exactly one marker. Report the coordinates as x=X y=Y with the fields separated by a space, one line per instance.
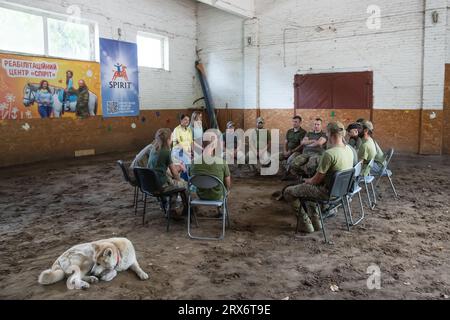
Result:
x=368 y=179
x=387 y=173
x=355 y=191
x=208 y=203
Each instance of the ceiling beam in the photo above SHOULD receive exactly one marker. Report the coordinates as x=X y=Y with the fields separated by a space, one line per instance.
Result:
x=243 y=8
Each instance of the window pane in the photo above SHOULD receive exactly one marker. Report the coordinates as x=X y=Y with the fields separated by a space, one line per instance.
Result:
x=149 y=52
x=68 y=40
x=21 y=32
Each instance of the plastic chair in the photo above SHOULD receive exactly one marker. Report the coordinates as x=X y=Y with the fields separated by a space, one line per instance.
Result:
x=208 y=182
x=150 y=185
x=338 y=196
x=355 y=188
x=131 y=181
x=385 y=172
x=369 y=179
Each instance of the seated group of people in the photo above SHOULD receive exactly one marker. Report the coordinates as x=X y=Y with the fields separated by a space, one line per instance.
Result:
x=316 y=156
x=313 y=156
x=170 y=156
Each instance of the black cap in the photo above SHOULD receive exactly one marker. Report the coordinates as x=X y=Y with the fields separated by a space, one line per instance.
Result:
x=354 y=126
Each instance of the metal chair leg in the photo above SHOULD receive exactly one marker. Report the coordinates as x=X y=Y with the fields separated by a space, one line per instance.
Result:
x=392 y=186
x=136 y=203
x=345 y=212
x=189 y=218
x=362 y=212
x=374 y=195
x=370 y=203
x=134 y=196
x=169 y=209
x=145 y=206
x=227 y=214
x=323 y=224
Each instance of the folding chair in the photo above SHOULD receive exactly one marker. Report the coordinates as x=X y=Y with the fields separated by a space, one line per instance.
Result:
x=337 y=197
x=355 y=188
x=150 y=185
x=385 y=172
x=369 y=179
x=131 y=181
x=208 y=182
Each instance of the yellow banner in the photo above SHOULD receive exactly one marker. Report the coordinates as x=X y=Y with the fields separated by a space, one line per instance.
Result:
x=21 y=96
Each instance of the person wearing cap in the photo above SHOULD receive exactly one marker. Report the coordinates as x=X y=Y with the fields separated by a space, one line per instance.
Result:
x=379 y=156
x=293 y=144
x=353 y=131
x=260 y=150
x=367 y=151
x=229 y=134
x=313 y=144
x=338 y=157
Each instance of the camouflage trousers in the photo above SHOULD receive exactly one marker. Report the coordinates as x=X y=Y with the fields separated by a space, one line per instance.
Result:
x=305 y=164
x=293 y=193
x=289 y=160
x=173 y=184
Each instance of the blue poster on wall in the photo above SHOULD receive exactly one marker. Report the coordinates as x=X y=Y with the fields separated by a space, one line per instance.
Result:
x=120 y=82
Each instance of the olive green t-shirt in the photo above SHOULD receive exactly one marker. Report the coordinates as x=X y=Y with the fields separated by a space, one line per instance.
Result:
x=335 y=159
x=218 y=169
x=380 y=154
x=294 y=138
x=367 y=152
x=160 y=161
x=355 y=143
x=315 y=136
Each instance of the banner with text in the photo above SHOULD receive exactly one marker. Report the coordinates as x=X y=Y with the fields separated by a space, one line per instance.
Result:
x=120 y=82
x=41 y=87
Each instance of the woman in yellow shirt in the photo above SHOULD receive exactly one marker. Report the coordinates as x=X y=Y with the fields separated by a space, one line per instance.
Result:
x=182 y=140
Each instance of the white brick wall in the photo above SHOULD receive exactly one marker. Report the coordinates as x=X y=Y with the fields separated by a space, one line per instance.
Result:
x=220 y=37
x=291 y=42
x=175 y=19
x=247 y=75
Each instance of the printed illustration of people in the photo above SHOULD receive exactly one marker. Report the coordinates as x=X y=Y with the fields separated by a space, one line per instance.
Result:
x=120 y=72
x=54 y=101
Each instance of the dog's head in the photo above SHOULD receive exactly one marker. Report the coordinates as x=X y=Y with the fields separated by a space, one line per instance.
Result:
x=107 y=258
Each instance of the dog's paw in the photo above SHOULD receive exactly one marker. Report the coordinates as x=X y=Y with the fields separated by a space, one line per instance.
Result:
x=84 y=285
x=79 y=285
x=92 y=279
x=143 y=276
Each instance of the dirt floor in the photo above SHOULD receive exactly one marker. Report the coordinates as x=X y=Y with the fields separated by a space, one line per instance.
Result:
x=47 y=208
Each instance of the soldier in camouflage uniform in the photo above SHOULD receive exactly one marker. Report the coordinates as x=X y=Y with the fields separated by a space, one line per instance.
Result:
x=314 y=143
x=339 y=157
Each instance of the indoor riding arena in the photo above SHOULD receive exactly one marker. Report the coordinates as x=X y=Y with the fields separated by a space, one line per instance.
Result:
x=225 y=150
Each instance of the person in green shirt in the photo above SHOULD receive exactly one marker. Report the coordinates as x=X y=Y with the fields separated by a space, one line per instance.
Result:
x=353 y=131
x=337 y=158
x=160 y=160
x=367 y=151
x=214 y=166
x=292 y=144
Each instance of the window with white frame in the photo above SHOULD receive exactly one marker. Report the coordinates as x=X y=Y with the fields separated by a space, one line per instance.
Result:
x=38 y=32
x=153 y=51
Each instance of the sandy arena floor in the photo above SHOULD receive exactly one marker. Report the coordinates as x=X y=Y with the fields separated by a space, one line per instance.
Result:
x=47 y=208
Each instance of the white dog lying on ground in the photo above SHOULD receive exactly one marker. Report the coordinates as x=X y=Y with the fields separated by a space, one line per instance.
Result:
x=88 y=262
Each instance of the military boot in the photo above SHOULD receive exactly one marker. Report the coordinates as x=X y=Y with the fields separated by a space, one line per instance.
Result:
x=315 y=220
x=304 y=223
